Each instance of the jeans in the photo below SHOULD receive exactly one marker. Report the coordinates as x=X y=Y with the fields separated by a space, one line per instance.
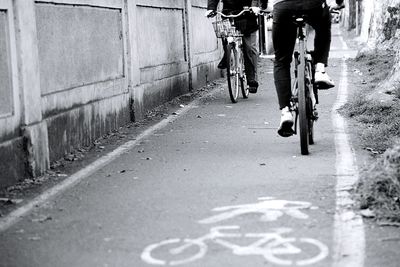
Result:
x=284 y=39
x=250 y=53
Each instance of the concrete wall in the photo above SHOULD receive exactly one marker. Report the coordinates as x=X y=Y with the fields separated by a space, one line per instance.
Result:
x=73 y=70
x=381 y=30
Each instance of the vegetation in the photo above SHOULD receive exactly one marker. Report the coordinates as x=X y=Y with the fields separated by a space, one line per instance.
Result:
x=379 y=131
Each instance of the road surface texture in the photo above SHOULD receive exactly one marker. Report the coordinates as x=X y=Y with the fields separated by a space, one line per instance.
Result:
x=212 y=185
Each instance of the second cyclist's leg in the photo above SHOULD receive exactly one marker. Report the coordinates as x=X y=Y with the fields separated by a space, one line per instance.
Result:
x=223 y=63
x=250 y=54
x=320 y=20
x=283 y=37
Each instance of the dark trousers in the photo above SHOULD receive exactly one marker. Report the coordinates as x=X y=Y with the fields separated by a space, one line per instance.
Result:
x=284 y=38
x=250 y=53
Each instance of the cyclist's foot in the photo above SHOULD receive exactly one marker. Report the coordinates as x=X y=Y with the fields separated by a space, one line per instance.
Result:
x=253 y=86
x=222 y=64
x=323 y=81
x=285 y=127
x=321 y=78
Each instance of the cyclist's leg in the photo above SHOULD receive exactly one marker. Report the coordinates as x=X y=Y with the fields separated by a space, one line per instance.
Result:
x=320 y=20
x=222 y=64
x=283 y=38
x=250 y=54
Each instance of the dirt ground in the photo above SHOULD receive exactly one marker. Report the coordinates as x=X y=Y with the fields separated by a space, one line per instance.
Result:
x=374 y=124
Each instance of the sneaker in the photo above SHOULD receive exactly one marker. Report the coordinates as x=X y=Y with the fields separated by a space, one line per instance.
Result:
x=323 y=81
x=222 y=64
x=285 y=127
x=253 y=86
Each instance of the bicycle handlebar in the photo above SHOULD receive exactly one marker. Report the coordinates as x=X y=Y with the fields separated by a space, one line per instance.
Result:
x=245 y=9
x=233 y=16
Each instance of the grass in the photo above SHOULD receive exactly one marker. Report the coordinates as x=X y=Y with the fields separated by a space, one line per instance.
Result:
x=380 y=122
x=378 y=126
x=379 y=188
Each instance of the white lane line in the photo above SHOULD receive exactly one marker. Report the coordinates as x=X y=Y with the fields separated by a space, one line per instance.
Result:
x=75 y=178
x=344 y=45
x=349 y=239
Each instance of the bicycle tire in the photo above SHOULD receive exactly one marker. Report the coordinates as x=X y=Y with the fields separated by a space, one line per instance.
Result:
x=302 y=101
x=232 y=73
x=310 y=108
x=243 y=79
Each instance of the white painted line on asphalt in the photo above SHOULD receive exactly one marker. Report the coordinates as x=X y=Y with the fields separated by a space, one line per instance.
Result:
x=13 y=217
x=349 y=239
x=344 y=45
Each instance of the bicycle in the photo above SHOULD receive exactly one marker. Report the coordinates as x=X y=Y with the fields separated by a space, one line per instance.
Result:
x=229 y=30
x=272 y=246
x=304 y=92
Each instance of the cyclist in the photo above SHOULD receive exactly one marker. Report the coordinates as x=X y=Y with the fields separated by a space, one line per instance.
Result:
x=250 y=36
x=284 y=37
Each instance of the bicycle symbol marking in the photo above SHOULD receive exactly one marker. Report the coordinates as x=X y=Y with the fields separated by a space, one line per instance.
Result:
x=272 y=246
x=270 y=209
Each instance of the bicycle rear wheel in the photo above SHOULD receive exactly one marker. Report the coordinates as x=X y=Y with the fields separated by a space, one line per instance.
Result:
x=302 y=104
x=310 y=107
x=232 y=72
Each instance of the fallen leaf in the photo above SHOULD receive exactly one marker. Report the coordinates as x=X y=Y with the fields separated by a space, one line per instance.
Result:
x=388 y=223
x=42 y=218
x=367 y=213
x=9 y=201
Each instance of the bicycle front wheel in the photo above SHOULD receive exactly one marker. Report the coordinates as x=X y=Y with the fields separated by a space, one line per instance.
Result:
x=243 y=79
x=232 y=72
x=302 y=98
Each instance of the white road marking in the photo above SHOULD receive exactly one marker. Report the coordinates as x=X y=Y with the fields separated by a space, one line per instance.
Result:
x=13 y=217
x=273 y=246
x=344 y=45
x=270 y=209
x=349 y=239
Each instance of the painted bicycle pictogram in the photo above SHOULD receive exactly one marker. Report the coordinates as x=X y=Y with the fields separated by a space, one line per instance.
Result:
x=269 y=208
x=273 y=246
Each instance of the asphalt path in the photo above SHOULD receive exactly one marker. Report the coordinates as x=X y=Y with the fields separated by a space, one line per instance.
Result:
x=214 y=186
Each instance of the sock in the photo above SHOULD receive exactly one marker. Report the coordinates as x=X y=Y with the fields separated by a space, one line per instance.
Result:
x=320 y=67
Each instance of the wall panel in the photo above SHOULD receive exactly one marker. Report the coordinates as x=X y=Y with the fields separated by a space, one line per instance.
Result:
x=78 y=45
x=160 y=36
x=6 y=103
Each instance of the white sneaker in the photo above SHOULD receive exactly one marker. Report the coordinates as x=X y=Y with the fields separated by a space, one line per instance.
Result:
x=285 y=127
x=322 y=80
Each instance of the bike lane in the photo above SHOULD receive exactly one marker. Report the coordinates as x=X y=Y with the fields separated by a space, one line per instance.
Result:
x=218 y=176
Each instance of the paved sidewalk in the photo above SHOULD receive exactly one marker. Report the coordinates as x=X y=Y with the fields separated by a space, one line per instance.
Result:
x=211 y=181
